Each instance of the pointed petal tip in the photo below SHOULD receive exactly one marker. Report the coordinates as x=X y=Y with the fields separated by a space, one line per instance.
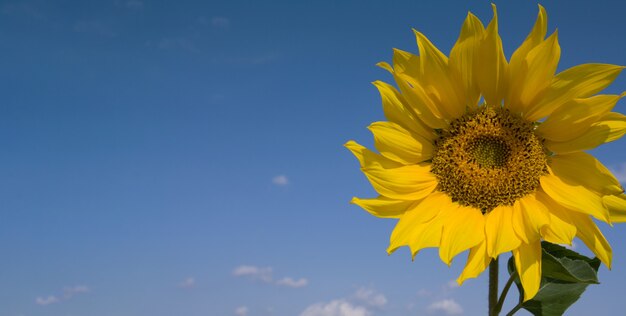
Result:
x=384 y=65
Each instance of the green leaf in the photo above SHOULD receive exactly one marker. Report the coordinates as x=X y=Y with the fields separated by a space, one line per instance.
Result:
x=565 y=276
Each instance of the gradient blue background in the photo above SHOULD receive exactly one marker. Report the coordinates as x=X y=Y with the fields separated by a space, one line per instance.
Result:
x=139 y=141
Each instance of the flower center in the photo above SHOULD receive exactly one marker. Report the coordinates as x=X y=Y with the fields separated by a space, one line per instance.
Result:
x=489 y=151
x=489 y=158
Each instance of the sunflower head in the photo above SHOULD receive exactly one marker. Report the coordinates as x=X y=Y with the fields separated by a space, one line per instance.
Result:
x=487 y=154
x=487 y=158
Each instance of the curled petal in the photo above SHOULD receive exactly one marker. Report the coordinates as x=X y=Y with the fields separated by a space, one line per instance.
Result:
x=574 y=197
x=463 y=228
x=610 y=127
x=396 y=143
x=576 y=116
x=582 y=169
x=383 y=206
x=528 y=264
x=477 y=262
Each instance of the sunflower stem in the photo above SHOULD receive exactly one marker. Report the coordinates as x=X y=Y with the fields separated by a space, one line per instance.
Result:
x=493 y=287
x=505 y=291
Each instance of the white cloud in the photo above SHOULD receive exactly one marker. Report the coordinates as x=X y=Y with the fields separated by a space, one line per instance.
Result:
x=187 y=283
x=289 y=282
x=370 y=297
x=51 y=299
x=447 y=306
x=280 y=180
x=339 y=307
x=424 y=293
x=220 y=22
x=358 y=304
x=263 y=274
x=620 y=172
x=241 y=311
x=68 y=293
x=452 y=284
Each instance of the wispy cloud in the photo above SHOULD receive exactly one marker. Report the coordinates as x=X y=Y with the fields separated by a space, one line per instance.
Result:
x=265 y=275
x=220 y=22
x=424 y=293
x=253 y=272
x=446 y=307
x=241 y=311
x=187 y=283
x=452 y=284
x=339 y=307
x=280 y=180
x=51 y=299
x=370 y=297
x=289 y=282
x=68 y=293
x=362 y=303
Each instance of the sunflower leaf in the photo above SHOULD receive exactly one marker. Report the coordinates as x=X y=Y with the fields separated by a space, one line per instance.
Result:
x=565 y=276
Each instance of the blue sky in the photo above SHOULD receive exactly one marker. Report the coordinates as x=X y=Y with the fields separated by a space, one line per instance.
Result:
x=186 y=158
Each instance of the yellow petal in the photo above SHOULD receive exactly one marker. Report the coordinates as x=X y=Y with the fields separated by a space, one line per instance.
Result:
x=499 y=232
x=463 y=228
x=477 y=262
x=386 y=66
x=397 y=110
x=574 y=197
x=384 y=207
x=435 y=79
x=529 y=217
x=578 y=82
x=396 y=143
x=517 y=67
x=420 y=227
x=464 y=57
x=492 y=77
x=413 y=182
x=528 y=264
x=407 y=75
x=369 y=158
x=589 y=233
x=583 y=169
x=610 y=127
x=576 y=116
x=616 y=206
x=560 y=230
x=406 y=63
x=541 y=62
x=419 y=101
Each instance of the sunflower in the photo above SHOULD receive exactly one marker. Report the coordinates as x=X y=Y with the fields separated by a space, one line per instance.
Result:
x=488 y=155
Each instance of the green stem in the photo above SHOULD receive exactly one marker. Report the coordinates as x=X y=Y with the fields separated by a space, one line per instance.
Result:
x=505 y=291
x=493 y=287
x=514 y=310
